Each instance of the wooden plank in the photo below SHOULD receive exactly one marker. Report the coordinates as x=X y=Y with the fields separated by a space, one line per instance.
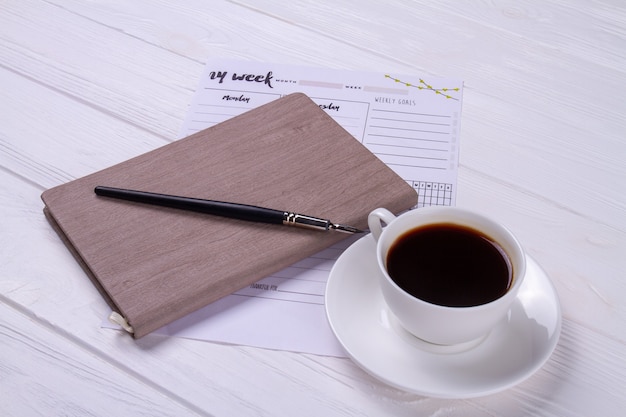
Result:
x=579 y=25
x=56 y=138
x=142 y=84
x=44 y=372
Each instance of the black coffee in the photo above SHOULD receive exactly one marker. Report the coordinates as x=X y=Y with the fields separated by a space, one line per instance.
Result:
x=449 y=265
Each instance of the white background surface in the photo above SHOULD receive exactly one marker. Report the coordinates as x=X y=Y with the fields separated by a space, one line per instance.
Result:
x=84 y=85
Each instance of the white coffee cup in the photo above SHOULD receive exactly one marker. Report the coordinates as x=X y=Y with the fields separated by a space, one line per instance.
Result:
x=440 y=324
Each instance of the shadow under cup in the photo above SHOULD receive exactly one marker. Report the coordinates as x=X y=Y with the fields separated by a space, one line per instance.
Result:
x=440 y=232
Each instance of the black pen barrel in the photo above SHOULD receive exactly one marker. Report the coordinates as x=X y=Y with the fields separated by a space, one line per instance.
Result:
x=217 y=208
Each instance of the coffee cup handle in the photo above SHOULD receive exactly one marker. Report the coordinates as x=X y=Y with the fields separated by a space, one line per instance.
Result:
x=376 y=219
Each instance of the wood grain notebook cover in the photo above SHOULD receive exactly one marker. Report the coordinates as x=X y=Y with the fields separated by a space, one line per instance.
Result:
x=155 y=265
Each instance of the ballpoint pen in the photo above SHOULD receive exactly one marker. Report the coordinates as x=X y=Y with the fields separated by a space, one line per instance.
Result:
x=225 y=209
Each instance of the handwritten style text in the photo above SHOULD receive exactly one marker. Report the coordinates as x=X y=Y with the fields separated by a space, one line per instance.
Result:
x=221 y=75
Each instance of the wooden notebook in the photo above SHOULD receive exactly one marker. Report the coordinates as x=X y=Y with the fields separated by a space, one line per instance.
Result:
x=155 y=265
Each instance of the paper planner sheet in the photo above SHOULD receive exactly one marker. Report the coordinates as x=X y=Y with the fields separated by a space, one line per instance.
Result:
x=410 y=122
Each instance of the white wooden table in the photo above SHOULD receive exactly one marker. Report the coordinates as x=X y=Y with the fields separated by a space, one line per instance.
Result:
x=84 y=85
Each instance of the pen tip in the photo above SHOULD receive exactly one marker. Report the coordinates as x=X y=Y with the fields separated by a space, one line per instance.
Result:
x=346 y=228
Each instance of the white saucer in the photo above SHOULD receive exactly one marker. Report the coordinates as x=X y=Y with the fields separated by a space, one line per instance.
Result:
x=370 y=334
